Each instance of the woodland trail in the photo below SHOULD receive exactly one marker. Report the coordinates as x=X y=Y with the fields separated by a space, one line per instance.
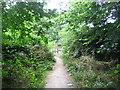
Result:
x=58 y=78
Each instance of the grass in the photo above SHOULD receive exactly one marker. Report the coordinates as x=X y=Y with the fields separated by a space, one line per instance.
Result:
x=90 y=73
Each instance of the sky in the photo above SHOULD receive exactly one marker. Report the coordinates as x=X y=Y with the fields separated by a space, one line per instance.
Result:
x=56 y=4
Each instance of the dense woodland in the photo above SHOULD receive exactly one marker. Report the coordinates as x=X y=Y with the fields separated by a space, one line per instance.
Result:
x=89 y=34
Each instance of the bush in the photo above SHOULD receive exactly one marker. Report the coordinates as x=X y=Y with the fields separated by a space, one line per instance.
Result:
x=26 y=69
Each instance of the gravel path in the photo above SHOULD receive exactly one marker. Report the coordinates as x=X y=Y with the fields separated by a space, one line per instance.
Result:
x=58 y=78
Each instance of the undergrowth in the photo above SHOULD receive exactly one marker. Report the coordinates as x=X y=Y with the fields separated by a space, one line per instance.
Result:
x=90 y=73
x=25 y=68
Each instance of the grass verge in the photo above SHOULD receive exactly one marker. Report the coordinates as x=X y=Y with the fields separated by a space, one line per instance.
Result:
x=90 y=73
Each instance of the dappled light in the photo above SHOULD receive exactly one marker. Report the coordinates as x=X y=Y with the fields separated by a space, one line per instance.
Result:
x=71 y=45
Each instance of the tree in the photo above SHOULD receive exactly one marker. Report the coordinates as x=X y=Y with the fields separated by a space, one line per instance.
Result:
x=91 y=25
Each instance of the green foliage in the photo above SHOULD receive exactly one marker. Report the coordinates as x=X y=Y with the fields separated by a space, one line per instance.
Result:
x=86 y=28
x=92 y=27
x=88 y=73
x=26 y=57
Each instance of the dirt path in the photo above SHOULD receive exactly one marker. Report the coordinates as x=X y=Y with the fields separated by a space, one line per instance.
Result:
x=58 y=78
